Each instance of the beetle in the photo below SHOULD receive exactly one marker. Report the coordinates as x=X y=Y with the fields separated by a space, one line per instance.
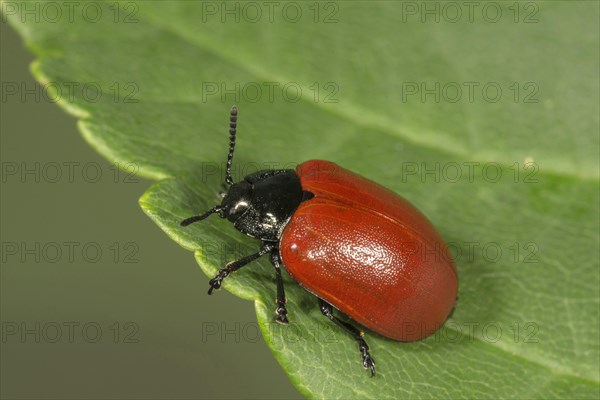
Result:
x=357 y=246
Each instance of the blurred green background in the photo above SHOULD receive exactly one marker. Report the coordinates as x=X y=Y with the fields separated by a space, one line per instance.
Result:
x=159 y=355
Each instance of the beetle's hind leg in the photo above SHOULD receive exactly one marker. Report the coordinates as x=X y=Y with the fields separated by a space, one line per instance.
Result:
x=363 y=347
x=281 y=310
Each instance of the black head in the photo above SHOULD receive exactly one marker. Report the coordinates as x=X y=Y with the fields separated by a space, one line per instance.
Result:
x=236 y=201
x=260 y=205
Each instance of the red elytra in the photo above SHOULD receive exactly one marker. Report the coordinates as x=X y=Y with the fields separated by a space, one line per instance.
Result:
x=370 y=253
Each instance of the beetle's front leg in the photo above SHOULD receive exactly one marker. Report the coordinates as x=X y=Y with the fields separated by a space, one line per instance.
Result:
x=215 y=283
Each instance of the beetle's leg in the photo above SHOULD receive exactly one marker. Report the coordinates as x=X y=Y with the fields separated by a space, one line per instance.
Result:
x=215 y=283
x=280 y=301
x=368 y=362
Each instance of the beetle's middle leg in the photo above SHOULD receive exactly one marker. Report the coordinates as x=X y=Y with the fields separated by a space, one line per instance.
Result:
x=281 y=300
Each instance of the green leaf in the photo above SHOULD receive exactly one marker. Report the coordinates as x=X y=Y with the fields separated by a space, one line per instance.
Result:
x=526 y=242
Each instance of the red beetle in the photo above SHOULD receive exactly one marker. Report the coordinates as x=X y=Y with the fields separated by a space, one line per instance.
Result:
x=354 y=244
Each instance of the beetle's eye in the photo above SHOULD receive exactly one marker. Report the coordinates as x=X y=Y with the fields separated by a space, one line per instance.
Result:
x=237 y=200
x=238 y=209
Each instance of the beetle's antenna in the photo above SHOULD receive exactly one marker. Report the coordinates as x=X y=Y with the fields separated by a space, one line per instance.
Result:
x=232 y=131
x=197 y=218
